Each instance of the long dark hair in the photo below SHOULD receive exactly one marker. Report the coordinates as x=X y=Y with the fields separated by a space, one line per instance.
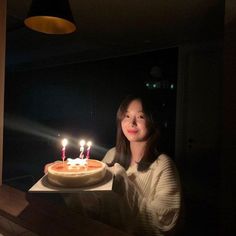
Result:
x=123 y=152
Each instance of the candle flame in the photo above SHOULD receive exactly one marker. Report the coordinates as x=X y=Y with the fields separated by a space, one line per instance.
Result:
x=64 y=142
x=82 y=143
x=89 y=143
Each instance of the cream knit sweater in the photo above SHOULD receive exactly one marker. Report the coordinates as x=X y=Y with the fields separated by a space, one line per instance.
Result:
x=153 y=195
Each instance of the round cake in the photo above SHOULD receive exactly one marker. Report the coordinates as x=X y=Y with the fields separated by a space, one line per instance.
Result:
x=69 y=176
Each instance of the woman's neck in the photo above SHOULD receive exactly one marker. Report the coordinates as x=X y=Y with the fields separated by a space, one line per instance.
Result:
x=137 y=151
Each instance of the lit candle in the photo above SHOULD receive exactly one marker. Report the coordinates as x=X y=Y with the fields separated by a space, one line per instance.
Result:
x=89 y=144
x=64 y=143
x=81 y=143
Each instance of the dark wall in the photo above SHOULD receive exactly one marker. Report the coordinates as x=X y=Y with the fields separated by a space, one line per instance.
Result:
x=80 y=100
x=228 y=143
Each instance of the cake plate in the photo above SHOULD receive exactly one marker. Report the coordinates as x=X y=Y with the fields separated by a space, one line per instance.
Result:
x=44 y=186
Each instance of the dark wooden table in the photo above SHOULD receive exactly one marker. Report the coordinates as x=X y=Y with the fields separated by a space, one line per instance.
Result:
x=45 y=217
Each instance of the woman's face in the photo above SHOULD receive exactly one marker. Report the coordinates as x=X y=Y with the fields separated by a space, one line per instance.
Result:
x=134 y=124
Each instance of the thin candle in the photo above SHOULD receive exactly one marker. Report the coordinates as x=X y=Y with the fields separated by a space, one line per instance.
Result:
x=89 y=144
x=81 y=143
x=64 y=143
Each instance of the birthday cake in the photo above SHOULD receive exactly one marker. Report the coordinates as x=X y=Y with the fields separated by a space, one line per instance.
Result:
x=76 y=173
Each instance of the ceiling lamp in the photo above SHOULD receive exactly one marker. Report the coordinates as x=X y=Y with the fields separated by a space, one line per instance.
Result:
x=50 y=17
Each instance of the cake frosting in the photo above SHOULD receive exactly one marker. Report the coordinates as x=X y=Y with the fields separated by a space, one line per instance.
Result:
x=76 y=172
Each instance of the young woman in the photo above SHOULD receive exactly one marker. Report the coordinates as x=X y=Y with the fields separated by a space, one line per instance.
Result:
x=146 y=196
x=144 y=178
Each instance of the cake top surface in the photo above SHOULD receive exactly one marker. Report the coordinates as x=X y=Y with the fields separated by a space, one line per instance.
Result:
x=64 y=168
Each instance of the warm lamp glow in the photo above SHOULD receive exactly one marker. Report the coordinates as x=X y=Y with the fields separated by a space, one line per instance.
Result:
x=50 y=17
x=50 y=25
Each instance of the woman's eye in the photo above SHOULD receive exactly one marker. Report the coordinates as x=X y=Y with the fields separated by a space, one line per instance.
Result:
x=141 y=117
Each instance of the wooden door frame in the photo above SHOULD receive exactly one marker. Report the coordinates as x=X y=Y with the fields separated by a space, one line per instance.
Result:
x=3 y=6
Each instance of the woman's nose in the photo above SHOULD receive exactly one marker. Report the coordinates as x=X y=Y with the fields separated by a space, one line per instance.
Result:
x=133 y=121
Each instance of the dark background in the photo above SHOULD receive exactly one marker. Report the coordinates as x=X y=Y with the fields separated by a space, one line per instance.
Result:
x=142 y=26
x=76 y=101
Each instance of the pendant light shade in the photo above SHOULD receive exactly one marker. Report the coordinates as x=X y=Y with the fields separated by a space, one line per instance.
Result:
x=50 y=17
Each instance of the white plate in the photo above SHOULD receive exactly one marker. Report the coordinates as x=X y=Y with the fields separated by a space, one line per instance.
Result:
x=44 y=186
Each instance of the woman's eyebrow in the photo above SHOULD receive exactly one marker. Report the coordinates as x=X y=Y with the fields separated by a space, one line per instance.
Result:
x=127 y=111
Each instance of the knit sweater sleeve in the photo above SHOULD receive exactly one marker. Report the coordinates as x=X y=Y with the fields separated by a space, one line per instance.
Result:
x=109 y=156
x=153 y=196
x=159 y=205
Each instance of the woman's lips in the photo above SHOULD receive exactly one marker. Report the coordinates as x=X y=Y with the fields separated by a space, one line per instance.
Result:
x=132 y=131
